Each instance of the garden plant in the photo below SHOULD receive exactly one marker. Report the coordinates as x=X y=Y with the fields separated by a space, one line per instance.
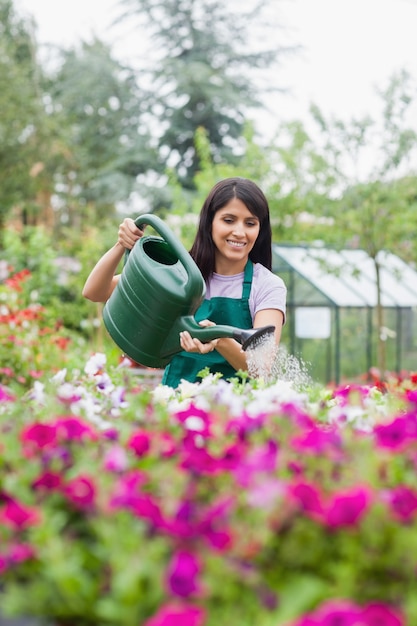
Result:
x=245 y=503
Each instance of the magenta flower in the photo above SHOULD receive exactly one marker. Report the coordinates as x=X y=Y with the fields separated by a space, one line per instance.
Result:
x=177 y=615
x=317 y=440
x=308 y=497
x=338 y=613
x=393 y=435
x=139 y=442
x=411 y=395
x=18 y=516
x=196 y=421
x=127 y=489
x=48 y=481
x=19 y=553
x=38 y=436
x=378 y=614
x=262 y=459
x=403 y=502
x=81 y=492
x=74 y=429
x=346 y=508
x=182 y=574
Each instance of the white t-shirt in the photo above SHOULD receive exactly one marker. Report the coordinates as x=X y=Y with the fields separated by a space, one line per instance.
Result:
x=268 y=290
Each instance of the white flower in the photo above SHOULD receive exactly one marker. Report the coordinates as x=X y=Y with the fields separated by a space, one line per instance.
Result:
x=95 y=364
x=59 y=377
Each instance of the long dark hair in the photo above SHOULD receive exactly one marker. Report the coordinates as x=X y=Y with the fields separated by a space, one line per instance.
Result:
x=252 y=196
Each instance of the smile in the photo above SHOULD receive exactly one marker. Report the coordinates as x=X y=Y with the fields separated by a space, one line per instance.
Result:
x=236 y=244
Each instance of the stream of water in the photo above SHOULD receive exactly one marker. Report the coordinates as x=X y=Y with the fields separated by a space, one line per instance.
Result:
x=270 y=362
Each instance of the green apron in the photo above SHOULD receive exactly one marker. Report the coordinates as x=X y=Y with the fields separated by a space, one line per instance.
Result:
x=231 y=311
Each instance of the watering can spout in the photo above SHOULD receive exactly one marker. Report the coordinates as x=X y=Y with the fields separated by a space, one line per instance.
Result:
x=249 y=338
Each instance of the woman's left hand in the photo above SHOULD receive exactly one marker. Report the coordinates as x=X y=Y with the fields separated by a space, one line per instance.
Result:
x=195 y=345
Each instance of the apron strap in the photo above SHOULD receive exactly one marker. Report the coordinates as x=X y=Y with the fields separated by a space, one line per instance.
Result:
x=247 y=280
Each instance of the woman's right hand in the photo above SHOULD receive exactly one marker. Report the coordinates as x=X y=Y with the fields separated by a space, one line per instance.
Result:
x=129 y=233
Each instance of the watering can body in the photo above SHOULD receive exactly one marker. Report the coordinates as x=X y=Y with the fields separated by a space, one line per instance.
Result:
x=159 y=290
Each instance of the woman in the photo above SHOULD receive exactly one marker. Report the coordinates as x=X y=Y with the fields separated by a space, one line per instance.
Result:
x=232 y=249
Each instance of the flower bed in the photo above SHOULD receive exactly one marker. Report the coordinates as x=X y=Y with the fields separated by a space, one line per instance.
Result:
x=239 y=504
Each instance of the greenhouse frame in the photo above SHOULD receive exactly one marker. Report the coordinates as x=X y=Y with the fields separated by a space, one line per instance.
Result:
x=331 y=310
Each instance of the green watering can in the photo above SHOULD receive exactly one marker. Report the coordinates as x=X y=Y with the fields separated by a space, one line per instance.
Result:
x=159 y=290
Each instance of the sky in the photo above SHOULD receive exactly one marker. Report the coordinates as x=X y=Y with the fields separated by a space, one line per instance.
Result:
x=350 y=48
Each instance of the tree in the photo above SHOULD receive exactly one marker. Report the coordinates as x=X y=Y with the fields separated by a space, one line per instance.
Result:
x=203 y=57
x=22 y=115
x=102 y=142
x=355 y=182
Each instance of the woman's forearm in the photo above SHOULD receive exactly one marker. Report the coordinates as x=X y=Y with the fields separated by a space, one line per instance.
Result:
x=102 y=280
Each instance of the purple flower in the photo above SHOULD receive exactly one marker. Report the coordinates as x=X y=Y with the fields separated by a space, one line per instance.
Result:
x=182 y=574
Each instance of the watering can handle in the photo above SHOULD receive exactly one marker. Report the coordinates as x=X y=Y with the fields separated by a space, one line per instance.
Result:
x=175 y=244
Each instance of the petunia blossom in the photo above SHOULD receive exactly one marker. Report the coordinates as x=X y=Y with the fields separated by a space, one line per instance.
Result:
x=81 y=491
x=182 y=574
x=18 y=516
x=379 y=614
x=177 y=615
x=346 y=508
x=403 y=502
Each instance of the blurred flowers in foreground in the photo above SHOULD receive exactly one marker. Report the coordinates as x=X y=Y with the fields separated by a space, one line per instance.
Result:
x=220 y=503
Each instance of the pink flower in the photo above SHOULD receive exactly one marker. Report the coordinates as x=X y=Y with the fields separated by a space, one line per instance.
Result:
x=139 y=442
x=177 y=615
x=5 y=395
x=115 y=460
x=196 y=421
x=49 y=481
x=74 y=429
x=378 y=614
x=308 y=497
x=346 y=508
x=338 y=613
x=81 y=491
x=182 y=574
x=18 y=516
x=38 y=436
x=20 y=552
x=393 y=435
x=403 y=502
x=317 y=440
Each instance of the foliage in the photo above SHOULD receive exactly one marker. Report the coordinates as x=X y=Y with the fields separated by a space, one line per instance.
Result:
x=30 y=341
x=22 y=129
x=202 y=76
x=96 y=103
x=240 y=503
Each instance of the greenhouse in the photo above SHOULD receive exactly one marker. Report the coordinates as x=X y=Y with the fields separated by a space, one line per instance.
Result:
x=331 y=310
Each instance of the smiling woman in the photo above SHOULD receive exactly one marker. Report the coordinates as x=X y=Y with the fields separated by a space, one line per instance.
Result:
x=232 y=250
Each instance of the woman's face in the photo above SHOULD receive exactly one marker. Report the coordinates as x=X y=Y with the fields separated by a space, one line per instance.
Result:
x=234 y=232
